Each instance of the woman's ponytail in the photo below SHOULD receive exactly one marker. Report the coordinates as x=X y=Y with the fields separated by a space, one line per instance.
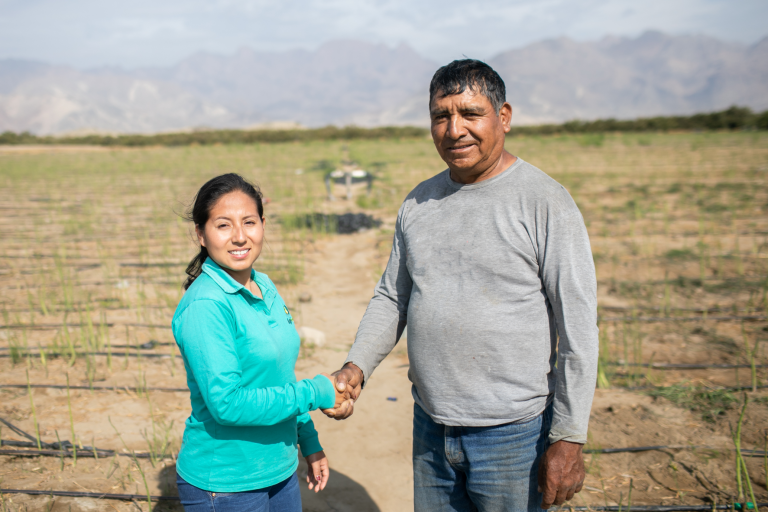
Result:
x=195 y=267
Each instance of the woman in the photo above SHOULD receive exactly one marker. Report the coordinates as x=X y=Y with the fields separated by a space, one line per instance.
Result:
x=240 y=346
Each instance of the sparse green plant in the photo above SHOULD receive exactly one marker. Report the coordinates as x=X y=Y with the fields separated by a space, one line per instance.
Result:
x=710 y=403
x=34 y=413
x=743 y=482
x=71 y=425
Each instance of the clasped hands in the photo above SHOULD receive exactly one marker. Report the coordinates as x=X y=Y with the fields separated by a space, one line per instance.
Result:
x=348 y=383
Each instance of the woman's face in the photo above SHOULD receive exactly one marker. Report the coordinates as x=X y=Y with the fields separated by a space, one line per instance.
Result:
x=233 y=234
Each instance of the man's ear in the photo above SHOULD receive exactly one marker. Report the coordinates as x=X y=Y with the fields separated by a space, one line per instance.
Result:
x=200 y=235
x=505 y=115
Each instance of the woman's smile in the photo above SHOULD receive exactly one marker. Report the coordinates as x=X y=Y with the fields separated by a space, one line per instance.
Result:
x=240 y=254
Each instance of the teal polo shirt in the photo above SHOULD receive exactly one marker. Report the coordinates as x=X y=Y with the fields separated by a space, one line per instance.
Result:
x=248 y=411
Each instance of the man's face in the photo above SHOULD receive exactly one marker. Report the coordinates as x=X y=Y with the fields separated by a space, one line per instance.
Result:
x=468 y=134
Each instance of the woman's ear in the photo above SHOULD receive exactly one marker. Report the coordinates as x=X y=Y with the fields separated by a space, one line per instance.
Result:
x=200 y=235
x=263 y=221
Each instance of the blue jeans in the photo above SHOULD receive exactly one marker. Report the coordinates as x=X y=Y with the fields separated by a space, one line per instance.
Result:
x=282 y=497
x=484 y=469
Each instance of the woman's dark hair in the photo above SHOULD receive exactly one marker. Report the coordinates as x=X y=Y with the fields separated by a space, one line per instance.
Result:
x=201 y=207
x=479 y=77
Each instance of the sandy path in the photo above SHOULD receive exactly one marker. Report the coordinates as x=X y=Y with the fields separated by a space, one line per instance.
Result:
x=370 y=452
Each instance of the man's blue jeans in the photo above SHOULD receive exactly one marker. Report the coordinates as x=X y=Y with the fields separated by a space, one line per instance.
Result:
x=484 y=469
x=282 y=497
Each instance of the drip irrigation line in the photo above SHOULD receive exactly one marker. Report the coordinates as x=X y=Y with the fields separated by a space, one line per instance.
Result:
x=61 y=448
x=654 y=508
x=677 y=279
x=85 y=354
x=85 y=451
x=151 y=344
x=95 y=388
x=46 y=327
x=637 y=449
x=685 y=366
x=18 y=431
x=97 y=495
x=652 y=308
x=681 y=318
x=140 y=498
x=715 y=388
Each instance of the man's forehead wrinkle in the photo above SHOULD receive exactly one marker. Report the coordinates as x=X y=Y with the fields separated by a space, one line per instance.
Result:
x=463 y=106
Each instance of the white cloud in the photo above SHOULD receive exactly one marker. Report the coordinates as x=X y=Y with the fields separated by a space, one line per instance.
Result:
x=147 y=32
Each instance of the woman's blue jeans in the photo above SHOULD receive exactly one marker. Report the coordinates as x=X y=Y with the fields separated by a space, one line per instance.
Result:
x=484 y=469
x=282 y=497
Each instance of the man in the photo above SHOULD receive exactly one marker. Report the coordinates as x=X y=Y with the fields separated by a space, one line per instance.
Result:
x=490 y=264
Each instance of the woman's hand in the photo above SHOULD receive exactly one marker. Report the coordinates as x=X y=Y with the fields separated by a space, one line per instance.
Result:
x=317 y=471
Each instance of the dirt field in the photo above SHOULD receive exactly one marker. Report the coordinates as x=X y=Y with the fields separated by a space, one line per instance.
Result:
x=94 y=251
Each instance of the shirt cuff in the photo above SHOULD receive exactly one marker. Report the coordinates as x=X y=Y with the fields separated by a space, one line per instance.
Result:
x=555 y=436
x=310 y=445
x=326 y=394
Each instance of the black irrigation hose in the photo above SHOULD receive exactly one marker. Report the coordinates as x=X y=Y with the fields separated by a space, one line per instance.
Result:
x=60 y=449
x=685 y=366
x=656 y=508
x=715 y=388
x=96 y=388
x=81 y=354
x=642 y=308
x=637 y=449
x=97 y=495
x=151 y=344
x=139 y=497
x=86 y=452
x=46 y=327
x=650 y=319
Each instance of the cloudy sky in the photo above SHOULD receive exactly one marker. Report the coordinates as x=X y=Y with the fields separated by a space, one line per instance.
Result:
x=88 y=33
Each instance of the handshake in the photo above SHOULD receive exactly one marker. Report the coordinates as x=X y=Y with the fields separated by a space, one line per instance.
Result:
x=348 y=383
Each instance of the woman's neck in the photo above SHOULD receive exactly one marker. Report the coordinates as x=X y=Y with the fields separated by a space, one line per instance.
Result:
x=241 y=276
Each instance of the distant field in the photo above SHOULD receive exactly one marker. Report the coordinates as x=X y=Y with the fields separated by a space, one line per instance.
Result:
x=94 y=249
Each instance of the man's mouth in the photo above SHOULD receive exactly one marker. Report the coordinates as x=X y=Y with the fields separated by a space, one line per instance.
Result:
x=460 y=148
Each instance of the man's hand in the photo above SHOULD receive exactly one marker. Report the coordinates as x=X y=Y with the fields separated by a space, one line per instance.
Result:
x=561 y=473
x=349 y=383
x=342 y=394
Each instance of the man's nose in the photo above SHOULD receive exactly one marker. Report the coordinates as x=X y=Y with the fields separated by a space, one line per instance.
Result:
x=456 y=128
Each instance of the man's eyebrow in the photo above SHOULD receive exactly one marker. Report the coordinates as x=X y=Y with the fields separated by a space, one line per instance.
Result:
x=463 y=110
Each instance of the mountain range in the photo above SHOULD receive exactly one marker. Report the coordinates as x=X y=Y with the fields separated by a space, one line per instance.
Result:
x=354 y=82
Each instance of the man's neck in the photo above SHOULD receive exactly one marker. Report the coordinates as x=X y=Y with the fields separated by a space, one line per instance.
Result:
x=471 y=176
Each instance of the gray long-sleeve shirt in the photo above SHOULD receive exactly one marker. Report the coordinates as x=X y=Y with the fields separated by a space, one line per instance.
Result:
x=486 y=276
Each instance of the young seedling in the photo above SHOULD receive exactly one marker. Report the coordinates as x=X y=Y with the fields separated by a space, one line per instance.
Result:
x=34 y=413
x=135 y=461
x=602 y=378
x=72 y=427
x=751 y=356
x=742 y=474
